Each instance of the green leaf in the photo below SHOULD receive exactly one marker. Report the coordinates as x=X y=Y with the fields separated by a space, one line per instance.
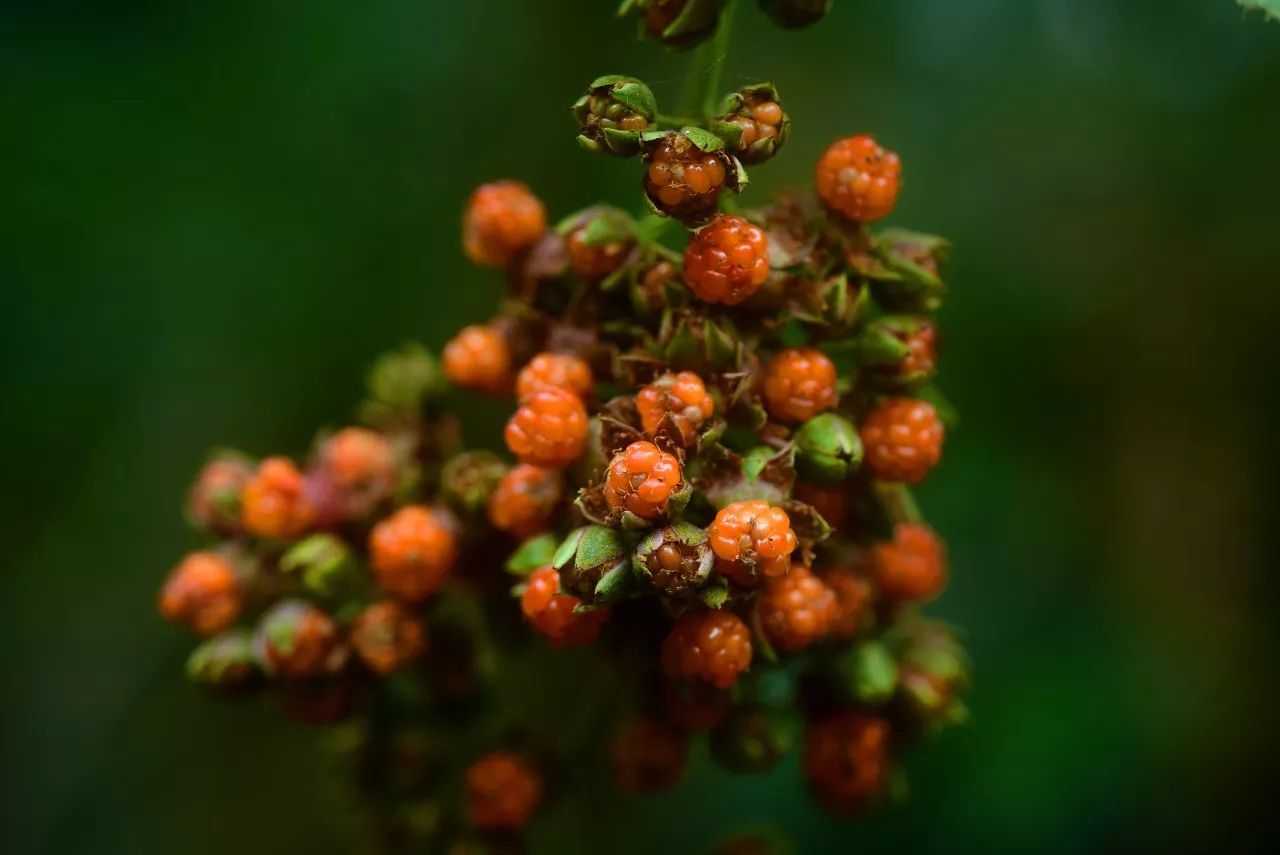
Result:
x=703 y=138
x=568 y=548
x=1270 y=8
x=599 y=546
x=638 y=97
x=730 y=132
x=622 y=143
x=533 y=553
x=614 y=584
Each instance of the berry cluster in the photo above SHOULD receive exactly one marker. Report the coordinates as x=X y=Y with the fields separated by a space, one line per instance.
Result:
x=713 y=436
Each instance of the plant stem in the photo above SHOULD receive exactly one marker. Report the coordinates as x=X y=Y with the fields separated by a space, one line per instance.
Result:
x=706 y=69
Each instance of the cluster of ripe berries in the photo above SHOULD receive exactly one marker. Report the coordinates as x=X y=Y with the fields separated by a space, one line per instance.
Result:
x=713 y=442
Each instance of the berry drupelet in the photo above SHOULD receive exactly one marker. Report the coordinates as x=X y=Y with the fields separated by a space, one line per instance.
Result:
x=273 y=502
x=798 y=384
x=796 y=609
x=525 y=499
x=204 y=592
x=501 y=219
x=386 y=636
x=903 y=440
x=682 y=396
x=727 y=261
x=411 y=552
x=683 y=180
x=549 y=429
x=752 y=540
x=710 y=646
x=642 y=479
x=554 y=371
x=478 y=358
x=555 y=614
x=502 y=791
x=913 y=566
x=858 y=179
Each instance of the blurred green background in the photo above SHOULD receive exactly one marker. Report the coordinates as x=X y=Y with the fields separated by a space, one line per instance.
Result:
x=216 y=214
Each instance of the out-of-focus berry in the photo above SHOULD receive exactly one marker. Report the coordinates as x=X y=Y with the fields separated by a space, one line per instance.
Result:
x=204 y=592
x=273 y=502
x=525 y=499
x=411 y=552
x=711 y=646
x=831 y=503
x=502 y=219
x=798 y=384
x=911 y=567
x=549 y=429
x=853 y=612
x=694 y=706
x=502 y=791
x=214 y=500
x=903 y=440
x=299 y=641
x=648 y=756
x=554 y=371
x=796 y=609
x=386 y=636
x=478 y=358
x=847 y=760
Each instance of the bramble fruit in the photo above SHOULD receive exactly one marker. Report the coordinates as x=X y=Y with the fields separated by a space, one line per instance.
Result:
x=796 y=609
x=727 y=261
x=502 y=219
x=273 y=502
x=477 y=358
x=554 y=371
x=648 y=757
x=524 y=500
x=903 y=440
x=798 y=384
x=411 y=552
x=754 y=126
x=683 y=180
x=204 y=592
x=386 y=636
x=683 y=396
x=555 y=615
x=911 y=567
x=641 y=479
x=299 y=641
x=549 y=429
x=711 y=646
x=503 y=790
x=752 y=540
x=858 y=179
x=854 y=597
x=214 y=500
x=846 y=760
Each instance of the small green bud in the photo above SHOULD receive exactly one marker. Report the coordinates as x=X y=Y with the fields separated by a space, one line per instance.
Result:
x=468 y=479
x=403 y=381
x=225 y=662
x=753 y=124
x=674 y=559
x=613 y=114
x=324 y=564
x=595 y=564
x=828 y=449
x=866 y=673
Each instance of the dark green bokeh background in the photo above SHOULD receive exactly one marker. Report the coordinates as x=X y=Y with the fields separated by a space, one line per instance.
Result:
x=216 y=214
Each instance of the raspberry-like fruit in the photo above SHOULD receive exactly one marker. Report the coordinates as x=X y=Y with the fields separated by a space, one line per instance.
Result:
x=694 y=706
x=554 y=371
x=273 y=502
x=554 y=614
x=763 y=125
x=675 y=558
x=214 y=500
x=831 y=503
x=859 y=179
x=358 y=458
x=642 y=479
x=683 y=395
x=594 y=261
x=846 y=759
x=903 y=440
x=711 y=646
x=752 y=540
x=683 y=181
x=648 y=756
x=911 y=567
x=478 y=358
x=727 y=261
x=853 y=612
x=549 y=429
x=411 y=552
x=502 y=219
x=299 y=640
x=204 y=592
x=503 y=790
x=798 y=384
x=386 y=636
x=796 y=609
x=920 y=339
x=525 y=499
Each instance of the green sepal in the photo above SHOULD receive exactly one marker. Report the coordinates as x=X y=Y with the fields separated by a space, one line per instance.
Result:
x=622 y=143
x=323 y=562
x=703 y=139
x=533 y=553
x=722 y=349
x=828 y=449
x=568 y=548
x=716 y=594
x=879 y=346
x=636 y=95
x=867 y=673
x=599 y=546
x=614 y=585
x=729 y=132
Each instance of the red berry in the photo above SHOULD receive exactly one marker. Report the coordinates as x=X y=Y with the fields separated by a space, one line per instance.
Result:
x=846 y=759
x=695 y=706
x=386 y=636
x=752 y=540
x=649 y=756
x=549 y=429
x=853 y=612
x=554 y=614
x=641 y=479
x=683 y=396
x=912 y=567
x=524 y=500
x=727 y=261
x=831 y=503
x=683 y=181
x=503 y=790
x=554 y=371
x=502 y=218
x=358 y=456
x=411 y=552
x=299 y=641
x=214 y=500
x=273 y=502
x=798 y=384
x=204 y=592
x=859 y=179
x=596 y=260
x=922 y=358
x=903 y=440
x=711 y=646
x=477 y=358
x=796 y=609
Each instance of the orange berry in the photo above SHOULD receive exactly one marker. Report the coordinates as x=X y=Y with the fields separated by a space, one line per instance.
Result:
x=386 y=636
x=796 y=609
x=503 y=790
x=752 y=540
x=846 y=759
x=798 y=384
x=549 y=429
x=299 y=640
x=682 y=180
x=913 y=566
x=853 y=602
x=477 y=358
x=524 y=500
x=682 y=395
x=273 y=502
x=359 y=458
x=204 y=592
x=554 y=371
x=641 y=479
x=859 y=179
x=595 y=260
x=903 y=440
x=502 y=219
x=831 y=503
x=554 y=614
x=711 y=646
x=727 y=261
x=648 y=756
x=411 y=552
x=214 y=500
